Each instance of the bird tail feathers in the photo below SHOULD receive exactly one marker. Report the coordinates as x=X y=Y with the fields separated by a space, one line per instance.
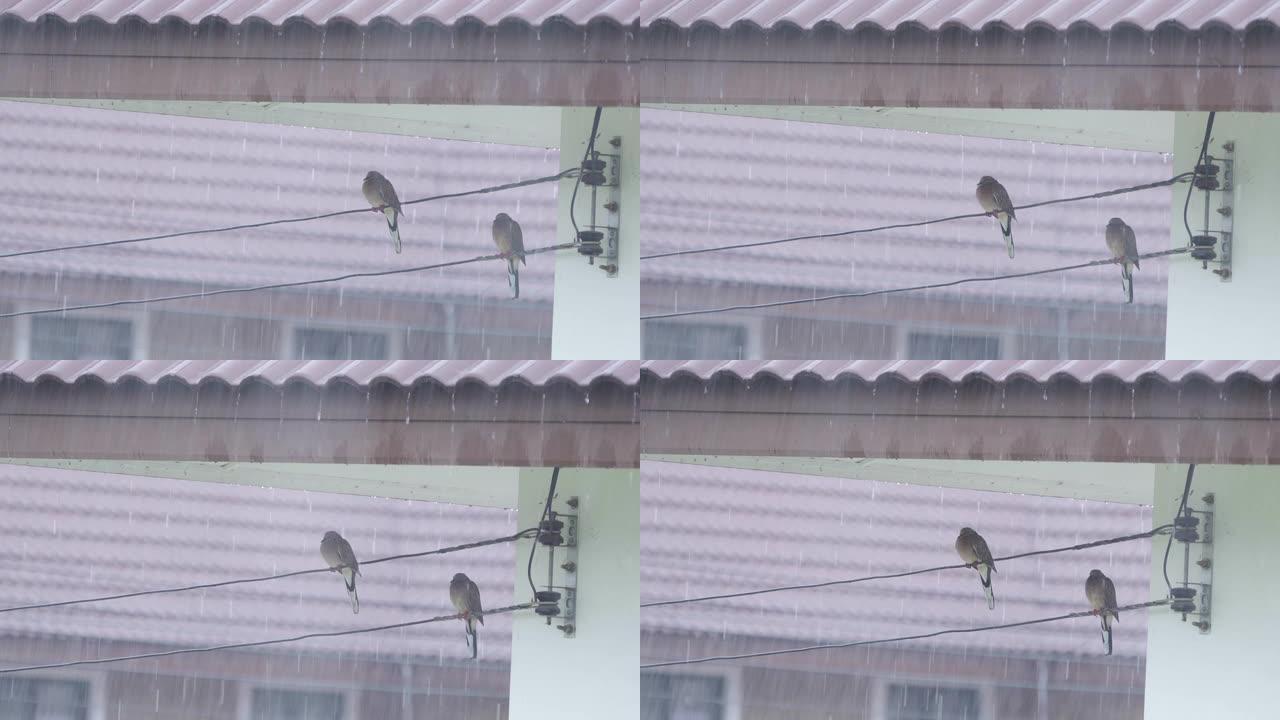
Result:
x=349 y=577
x=984 y=574
x=1126 y=279
x=1006 y=227
x=1106 y=638
x=513 y=277
x=393 y=224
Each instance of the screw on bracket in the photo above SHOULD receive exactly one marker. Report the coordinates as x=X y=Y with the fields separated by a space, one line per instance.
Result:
x=569 y=566
x=1208 y=498
x=616 y=141
x=1204 y=563
x=567 y=628
x=1202 y=624
x=613 y=206
x=572 y=502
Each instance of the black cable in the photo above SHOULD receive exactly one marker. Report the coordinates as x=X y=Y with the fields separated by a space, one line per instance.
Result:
x=248 y=226
x=890 y=576
x=279 y=286
x=296 y=573
x=546 y=510
x=923 y=636
x=1204 y=150
x=1182 y=506
x=912 y=288
x=591 y=146
x=918 y=223
x=259 y=643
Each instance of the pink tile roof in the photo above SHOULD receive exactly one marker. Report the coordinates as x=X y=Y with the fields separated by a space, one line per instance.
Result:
x=707 y=530
x=359 y=12
x=971 y=14
x=958 y=371
x=323 y=372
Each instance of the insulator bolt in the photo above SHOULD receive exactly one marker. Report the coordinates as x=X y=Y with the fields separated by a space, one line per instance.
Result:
x=570 y=567
x=1204 y=563
x=1208 y=498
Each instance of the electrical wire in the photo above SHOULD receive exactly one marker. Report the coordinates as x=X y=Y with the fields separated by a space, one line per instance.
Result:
x=909 y=573
x=921 y=223
x=591 y=146
x=546 y=510
x=264 y=578
x=912 y=288
x=278 y=286
x=1182 y=506
x=922 y=636
x=249 y=226
x=258 y=643
x=1204 y=150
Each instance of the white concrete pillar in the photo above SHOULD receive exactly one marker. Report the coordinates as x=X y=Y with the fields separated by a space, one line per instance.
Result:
x=1210 y=319
x=598 y=317
x=596 y=674
x=1227 y=673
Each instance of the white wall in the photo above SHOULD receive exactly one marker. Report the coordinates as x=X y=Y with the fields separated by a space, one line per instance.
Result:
x=595 y=675
x=597 y=317
x=1210 y=319
x=1227 y=673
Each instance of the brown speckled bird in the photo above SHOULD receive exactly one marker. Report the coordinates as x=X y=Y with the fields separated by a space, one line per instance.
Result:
x=995 y=201
x=1102 y=596
x=510 y=241
x=1123 y=245
x=465 y=596
x=973 y=551
x=382 y=196
x=337 y=552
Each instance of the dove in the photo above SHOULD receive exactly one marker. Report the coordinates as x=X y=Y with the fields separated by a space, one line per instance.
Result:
x=510 y=241
x=973 y=551
x=1102 y=596
x=994 y=199
x=465 y=596
x=1123 y=246
x=337 y=552
x=382 y=196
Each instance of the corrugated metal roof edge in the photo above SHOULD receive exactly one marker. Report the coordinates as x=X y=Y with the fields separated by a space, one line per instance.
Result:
x=468 y=379
x=863 y=25
x=337 y=20
x=969 y=376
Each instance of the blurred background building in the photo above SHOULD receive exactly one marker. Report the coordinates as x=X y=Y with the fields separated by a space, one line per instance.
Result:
x=78 y=175
x=713 y=530
x=714 y=179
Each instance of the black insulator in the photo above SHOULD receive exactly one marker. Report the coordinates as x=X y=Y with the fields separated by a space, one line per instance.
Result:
x=551 y=524
x=548 y=603
x=1207 y=169
x=550 y=538
x=595 y=178
x=599 y=165
x=590 y=236
x=1183 y=606
x=1186 y=535
x=1183 y=593
x=1203 y=241
x=547 y=596
x=1202 y=183
x=1187 y=521
x=1203 y=254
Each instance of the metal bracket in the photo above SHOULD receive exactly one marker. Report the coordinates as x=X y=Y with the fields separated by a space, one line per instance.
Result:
x=1204 y=244
x=562 y=569
x=1203 y=610
x=598 y=236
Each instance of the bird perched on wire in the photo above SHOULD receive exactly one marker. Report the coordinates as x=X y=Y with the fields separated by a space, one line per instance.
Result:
x=382 y=196
x=337 y=552
x=995 y=201
x=974 y=552
x=510 y=241
x=1124 y=247
x=1102 y=596
x=465 y=596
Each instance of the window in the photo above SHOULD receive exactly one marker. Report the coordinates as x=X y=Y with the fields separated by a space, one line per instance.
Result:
x=24 y=698
x=295 y=705
x=938 y=346
x=689 y=341
x=912 y=702
x=682 y=697
x=64 y=338
x=326 y=344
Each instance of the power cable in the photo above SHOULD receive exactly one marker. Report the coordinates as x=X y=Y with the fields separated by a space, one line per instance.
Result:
x=922 y=636
x=912 y=288
x=1204 y=151
x=537 y=538
x=909 y=573
x=249 y=226
x=264 y=578
x=577 y=182
x=258 y=643
x=921 y=223
x=1182 y=506
x=279 y=286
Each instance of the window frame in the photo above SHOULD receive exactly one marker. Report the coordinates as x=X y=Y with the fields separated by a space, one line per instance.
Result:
x=732 y=677
x=1006 y=341
x=97 y=682
x=139 y=336
x=289 y=336
x=244 y=697
x=985 y=691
